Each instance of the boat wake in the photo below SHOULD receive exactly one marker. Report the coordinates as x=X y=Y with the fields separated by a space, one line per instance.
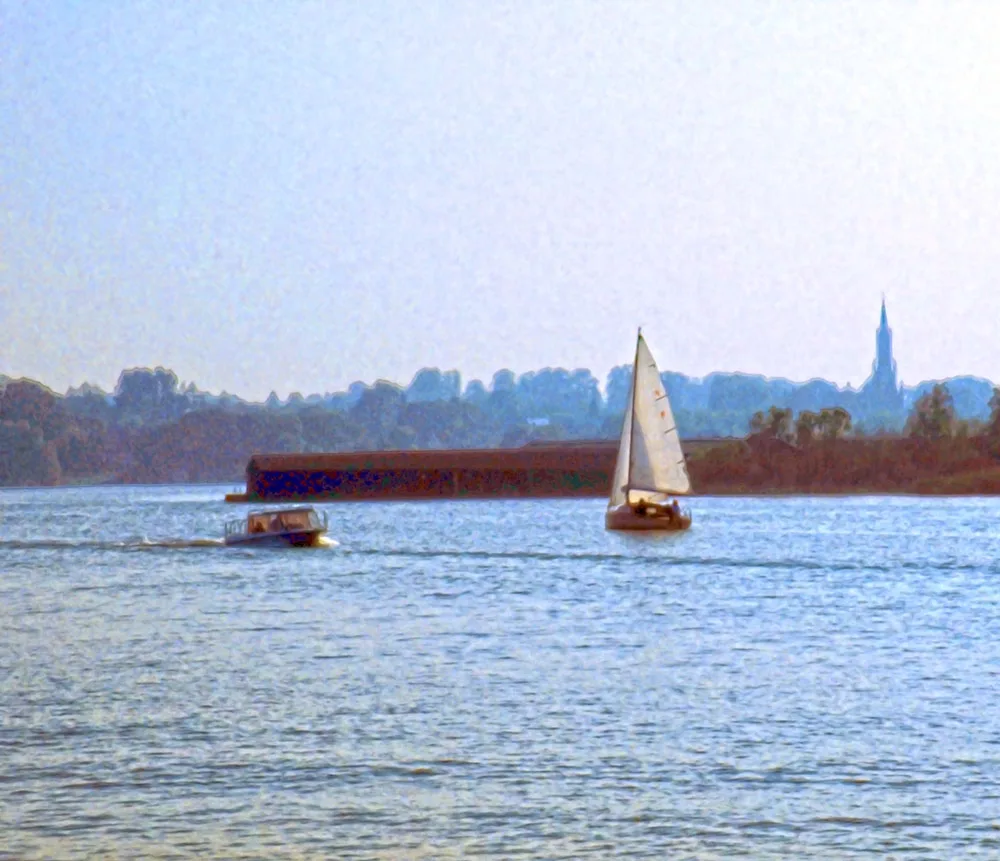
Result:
x=176 y=543
x=134 y=544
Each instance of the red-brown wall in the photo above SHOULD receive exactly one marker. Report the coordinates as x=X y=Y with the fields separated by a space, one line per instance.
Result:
x=567 y=469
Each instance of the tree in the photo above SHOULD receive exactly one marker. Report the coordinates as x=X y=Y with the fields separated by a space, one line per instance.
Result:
x=833 y=423
x=91 y=403
x=149 y=395
x=776 y=423
x=617 y=387
x=502 y=406
x=503 y=381
x=25 y=457
x=933 y=415
x=806 y=426
x=475 y=393
x=377 y=410
x=993 y=426
x=429 y=384
x=27 y=400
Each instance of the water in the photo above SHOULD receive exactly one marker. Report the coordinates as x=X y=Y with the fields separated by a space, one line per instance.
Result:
x=792 y=678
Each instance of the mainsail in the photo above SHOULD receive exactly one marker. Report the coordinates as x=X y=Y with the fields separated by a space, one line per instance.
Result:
x=650 y=458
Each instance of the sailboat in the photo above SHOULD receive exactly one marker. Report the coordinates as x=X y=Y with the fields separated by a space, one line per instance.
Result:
x=650 y=468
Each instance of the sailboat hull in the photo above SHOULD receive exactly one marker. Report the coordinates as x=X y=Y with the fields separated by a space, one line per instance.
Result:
x=624 y=517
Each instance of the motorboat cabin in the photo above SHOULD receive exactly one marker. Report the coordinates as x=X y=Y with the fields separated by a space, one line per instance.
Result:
x=296 y=527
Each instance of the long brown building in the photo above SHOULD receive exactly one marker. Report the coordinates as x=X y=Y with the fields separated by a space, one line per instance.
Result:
x=559 y=469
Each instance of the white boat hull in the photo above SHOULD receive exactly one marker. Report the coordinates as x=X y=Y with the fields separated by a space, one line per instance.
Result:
x=625 y=517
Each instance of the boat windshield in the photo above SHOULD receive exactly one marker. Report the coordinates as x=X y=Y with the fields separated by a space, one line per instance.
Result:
x=299 y=520
x=281 y=521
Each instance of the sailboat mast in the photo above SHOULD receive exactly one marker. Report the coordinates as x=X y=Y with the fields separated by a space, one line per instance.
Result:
x=631 y=454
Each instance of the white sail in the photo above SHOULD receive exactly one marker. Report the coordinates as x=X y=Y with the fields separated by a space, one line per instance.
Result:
x=650 y=458
x=656 y=455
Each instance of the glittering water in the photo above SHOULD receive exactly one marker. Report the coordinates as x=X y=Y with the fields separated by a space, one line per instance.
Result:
x=792 y=678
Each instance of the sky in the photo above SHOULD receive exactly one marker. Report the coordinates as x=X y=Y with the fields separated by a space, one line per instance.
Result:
x=291 y=195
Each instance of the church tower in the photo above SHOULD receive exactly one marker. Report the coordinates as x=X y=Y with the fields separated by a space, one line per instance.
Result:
x=881 y=391
x=884 y=366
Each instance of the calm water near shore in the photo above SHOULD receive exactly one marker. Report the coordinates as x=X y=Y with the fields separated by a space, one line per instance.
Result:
x=794 y=677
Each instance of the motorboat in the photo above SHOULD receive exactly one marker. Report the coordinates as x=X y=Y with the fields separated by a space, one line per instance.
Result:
x=293 y=527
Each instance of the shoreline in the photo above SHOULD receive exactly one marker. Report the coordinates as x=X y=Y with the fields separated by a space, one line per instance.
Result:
x=240 y=497
x=583 y=469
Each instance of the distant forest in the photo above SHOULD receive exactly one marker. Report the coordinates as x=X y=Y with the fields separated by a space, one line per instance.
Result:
x=154 y=429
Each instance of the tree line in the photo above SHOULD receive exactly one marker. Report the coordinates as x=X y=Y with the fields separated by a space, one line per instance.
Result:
x=811 y=452
x=154 y=429
x=933 y=418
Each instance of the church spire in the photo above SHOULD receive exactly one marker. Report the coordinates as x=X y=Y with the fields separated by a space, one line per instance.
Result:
x=884 y=366
x=881 y=392
x=883 y=349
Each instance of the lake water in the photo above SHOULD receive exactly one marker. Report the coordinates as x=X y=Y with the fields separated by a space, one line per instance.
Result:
x=797 y=677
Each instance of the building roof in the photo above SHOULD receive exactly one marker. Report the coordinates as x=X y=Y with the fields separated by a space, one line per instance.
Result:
x=570 y=454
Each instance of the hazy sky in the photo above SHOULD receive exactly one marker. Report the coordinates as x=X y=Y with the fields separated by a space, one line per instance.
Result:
x=292 y=195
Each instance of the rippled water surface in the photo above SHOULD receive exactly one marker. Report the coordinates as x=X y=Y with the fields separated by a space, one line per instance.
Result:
x=791 y=678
